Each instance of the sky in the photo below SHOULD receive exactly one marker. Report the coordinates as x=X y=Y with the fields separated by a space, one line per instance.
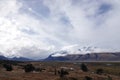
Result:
x=37 y=28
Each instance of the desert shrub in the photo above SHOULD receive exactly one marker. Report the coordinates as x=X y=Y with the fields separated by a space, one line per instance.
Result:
x=72 y=78
x=55 y=72
x=109 y=78
x=83 y=67
x=67 y=78
x=39 y=69
x=62 y=73
x=29 y=68
x=88 y=78
x=8 y=67
x=99 y=71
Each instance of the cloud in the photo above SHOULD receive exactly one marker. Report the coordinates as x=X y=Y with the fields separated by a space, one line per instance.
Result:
x=36 y=28
x=19 y=30
x=89 y=19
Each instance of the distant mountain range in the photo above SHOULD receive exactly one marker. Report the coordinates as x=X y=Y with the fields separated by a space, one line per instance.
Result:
x=15 y=58
x=20 y=59
x=86 y=57
x=77 y=50
x=3 y=58
x=84 y=54
x=75 y=54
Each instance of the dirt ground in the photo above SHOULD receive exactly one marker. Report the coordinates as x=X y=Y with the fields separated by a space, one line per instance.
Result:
x=111 y=71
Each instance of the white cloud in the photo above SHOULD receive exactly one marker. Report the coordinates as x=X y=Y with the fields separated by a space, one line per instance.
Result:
x=14 y=39
x=89 y=26
x=26 y=31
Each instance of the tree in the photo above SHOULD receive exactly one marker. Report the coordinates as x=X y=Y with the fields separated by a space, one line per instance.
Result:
x=8 y=67
x=29 y=68
x=84 y=67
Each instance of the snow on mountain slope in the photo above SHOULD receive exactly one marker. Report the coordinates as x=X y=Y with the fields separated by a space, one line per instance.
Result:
x=74 y=49
x=75 y=53
x=59 y=53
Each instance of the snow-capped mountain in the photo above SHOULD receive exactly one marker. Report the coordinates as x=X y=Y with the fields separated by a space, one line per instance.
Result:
x=76 y=50
x=84 y=54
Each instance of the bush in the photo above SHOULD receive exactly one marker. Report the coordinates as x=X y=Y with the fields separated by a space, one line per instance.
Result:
x=62 y=73
x=72 y=78
x=55 y=72
x=84 y=67
x=109 y=78
x=39 y=69
x=99 y=71
x=88 y=78
x=29 y=68
x=67 y=78
x=8 y=67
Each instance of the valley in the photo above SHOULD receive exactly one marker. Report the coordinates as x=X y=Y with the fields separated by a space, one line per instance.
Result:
x=49 y=71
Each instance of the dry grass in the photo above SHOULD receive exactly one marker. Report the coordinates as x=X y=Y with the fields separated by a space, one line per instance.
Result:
x=18 y=73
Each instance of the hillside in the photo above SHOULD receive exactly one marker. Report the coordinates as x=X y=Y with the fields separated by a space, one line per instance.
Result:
x=86 y=57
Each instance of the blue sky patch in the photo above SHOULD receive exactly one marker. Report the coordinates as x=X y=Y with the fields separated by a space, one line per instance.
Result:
x=104 y=8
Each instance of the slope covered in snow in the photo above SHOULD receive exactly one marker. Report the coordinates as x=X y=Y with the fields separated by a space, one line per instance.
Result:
x=72 y=50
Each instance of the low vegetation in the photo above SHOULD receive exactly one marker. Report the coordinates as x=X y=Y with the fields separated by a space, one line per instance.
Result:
x=62 y=73
x=84 y=67
x=29 y=68
x=100 y=71
x=88 y=78
x=59 y=71
x=8 y=67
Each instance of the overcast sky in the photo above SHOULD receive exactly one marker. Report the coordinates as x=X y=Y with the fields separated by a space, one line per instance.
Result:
x=36 y=28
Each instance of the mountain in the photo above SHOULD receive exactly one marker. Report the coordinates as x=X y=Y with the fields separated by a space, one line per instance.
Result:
x=77 y=50
x=15 y=58
x=84 y=54
x=3 y=58
x=20 y=59
x=87 y=57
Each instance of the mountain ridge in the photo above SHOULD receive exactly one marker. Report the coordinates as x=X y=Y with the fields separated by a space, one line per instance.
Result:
x=15 y=58
x=111 y=56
